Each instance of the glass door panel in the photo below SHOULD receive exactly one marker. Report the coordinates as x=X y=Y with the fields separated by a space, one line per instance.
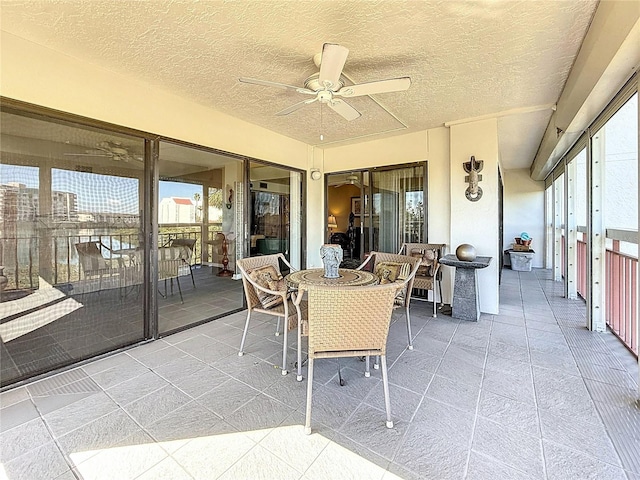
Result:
x=397 y=210
x=275 y=212
x=196 y=236
x=70 y=220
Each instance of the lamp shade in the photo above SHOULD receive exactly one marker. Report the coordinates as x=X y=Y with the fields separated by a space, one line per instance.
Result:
x=331 y=222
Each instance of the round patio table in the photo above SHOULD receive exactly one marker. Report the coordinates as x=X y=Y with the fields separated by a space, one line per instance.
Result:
x=347 y=278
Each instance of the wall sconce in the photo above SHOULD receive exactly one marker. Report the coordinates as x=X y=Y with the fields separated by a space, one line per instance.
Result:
x=472 y=167
x=332 y=223
x=229 y=198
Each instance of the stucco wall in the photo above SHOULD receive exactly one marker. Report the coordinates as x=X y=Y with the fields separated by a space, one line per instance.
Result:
x=477 y=222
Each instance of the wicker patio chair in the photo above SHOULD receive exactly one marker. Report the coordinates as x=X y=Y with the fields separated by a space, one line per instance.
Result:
x=406 y=279
x=273 y=301
x=187 y=245
x=348 y=322
x=430 y=254
x=107 y=271
x=169 y=263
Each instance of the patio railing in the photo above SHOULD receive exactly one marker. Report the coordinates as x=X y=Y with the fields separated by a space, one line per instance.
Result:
x=621 y=274
x=21 y=256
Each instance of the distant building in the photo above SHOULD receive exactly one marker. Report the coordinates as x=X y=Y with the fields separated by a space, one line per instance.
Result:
x=19 y=203
x=177 y=210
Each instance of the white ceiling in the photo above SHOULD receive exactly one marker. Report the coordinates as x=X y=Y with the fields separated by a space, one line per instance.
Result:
x=466 y=59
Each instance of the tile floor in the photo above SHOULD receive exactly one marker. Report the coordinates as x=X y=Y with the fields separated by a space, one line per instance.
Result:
x=527 y=394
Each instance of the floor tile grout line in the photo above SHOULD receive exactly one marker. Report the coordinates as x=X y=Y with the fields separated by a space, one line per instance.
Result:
x=477 y=410
x=533 y=384
x=401 y=442
x=582 y=378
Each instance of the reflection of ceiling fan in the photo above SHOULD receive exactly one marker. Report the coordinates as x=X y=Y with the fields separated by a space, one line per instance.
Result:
x=115 y=150
x=328 y=85
x=350 y=180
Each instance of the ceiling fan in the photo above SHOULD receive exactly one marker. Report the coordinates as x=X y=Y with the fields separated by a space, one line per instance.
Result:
x=349 y=180
x=328 y=86
x=115 y=150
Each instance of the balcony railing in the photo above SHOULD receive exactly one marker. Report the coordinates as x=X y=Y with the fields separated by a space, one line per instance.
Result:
x=21 y=257
x=621 y=274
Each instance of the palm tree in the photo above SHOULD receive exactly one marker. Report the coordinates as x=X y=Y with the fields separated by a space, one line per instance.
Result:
x=196 y=197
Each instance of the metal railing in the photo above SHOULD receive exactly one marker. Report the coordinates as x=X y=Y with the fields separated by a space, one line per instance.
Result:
x=621 y=274
x=54 y=257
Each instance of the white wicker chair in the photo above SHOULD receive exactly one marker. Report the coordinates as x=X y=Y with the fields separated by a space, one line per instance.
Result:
x=283 y=310
x=403 y=298
x=427 y=280
x=348 y=322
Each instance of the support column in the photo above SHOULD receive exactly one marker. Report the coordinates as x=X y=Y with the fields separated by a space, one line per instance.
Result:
x=596 y=233
x=557 y=231
x=571 y=237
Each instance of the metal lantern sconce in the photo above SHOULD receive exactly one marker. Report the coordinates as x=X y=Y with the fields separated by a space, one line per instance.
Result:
x=229 y=198
x=473 y=167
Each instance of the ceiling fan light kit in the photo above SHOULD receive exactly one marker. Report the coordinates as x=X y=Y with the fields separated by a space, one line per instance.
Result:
x=328 y=84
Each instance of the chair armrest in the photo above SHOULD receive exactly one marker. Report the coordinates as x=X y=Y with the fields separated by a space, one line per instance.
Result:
x=367 y=260
x=282 y=293
x=284 y=260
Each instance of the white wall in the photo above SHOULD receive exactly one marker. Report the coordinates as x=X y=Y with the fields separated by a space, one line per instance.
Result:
x=477 y=222
x=524 y=211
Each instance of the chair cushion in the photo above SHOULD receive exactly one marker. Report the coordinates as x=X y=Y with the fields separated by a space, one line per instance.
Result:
x=428 y=263
x=389 y=272
x=268 y=277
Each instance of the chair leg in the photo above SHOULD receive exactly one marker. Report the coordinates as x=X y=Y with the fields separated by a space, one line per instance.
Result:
x=244 y=334
x=376 y=364
x=179 y=289
x=434 y=300
x=299 y=375
x=385 y=386
x=409 y=327
x=367 y=372
x=284 y=348
x=192 y=279
x=278 y=328
x=307 y=420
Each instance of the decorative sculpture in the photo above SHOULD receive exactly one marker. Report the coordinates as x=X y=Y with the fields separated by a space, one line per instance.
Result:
x=466 y=253
x=473 y=167
x=331 y=257
x=230 y=199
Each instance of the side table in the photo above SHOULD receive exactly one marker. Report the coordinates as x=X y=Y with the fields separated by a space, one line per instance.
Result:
x=465 y=305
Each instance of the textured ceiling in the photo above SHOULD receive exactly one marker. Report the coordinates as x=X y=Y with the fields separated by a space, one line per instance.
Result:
x=466 y=59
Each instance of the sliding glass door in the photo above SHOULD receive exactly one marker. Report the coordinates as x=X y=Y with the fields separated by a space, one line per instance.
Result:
x=70 y=214
x=196 y=225
x=378 y=209
x=274 y=212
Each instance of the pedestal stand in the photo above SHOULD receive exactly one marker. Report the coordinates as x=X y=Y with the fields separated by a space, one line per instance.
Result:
x=225 y=272
x=465 y=305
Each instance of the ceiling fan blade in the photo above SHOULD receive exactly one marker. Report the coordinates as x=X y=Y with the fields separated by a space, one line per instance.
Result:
x=331 y=63
x=371 y=88
x=284 y=86
x=295 y=106
x=343 y=109
x=86 y=155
